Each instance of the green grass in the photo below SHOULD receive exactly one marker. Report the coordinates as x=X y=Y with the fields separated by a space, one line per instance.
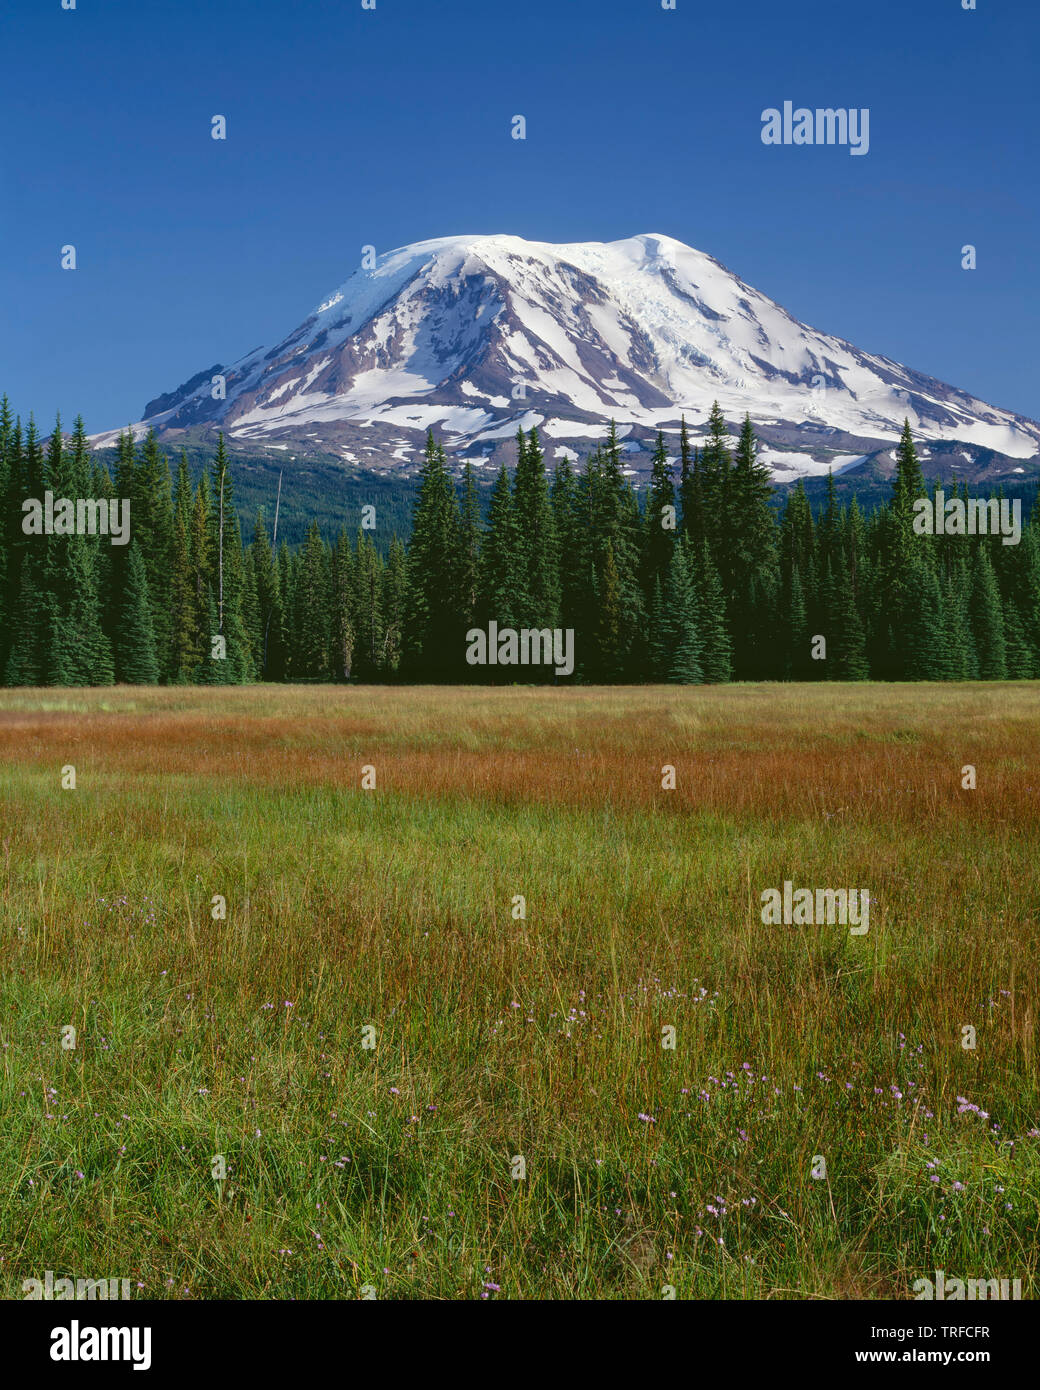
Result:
x=391 y=1167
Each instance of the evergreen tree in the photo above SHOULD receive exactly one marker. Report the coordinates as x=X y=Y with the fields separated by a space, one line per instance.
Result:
x=212 y=667
x=849 y=646
x=226 y=556
x=287 y=571
x=73 y=648
x=681 y=608
x=203 y=577
x=368 y=599
x=925 y=648
x=434 y=647
x=136 y=660
x=610 y=646
x=658 y=652
x=270 y=608
x=1021 y=590
x=902 y=627
x=251 y=614
x=395 y=589
x=499 y=576
x=537 y=562
x=1018 y=658
x=716 y=652
x=691 y=491
x=658 y=530
x=469 y=548
x=12 y=538
x=30 y=606
x=987 y=619
x=712 y=471
x=797 y=587
x=309 y=636
x=6 y=451
x=958 y=642
x=152 y=527
x=615 y=526
x=185 y=635
x=343 y=628
x=795 y=631
x=751 y=561
x=572 y=542
x=86 y=573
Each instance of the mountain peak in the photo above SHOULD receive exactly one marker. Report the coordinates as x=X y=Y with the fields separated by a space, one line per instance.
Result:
x=478 y=335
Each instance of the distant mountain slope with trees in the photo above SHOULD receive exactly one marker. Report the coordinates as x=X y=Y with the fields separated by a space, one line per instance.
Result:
x=701 y=579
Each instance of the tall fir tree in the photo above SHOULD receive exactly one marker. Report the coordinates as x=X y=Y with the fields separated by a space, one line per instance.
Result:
x=469 y=547
x=151 y=525
x=136 y=659
x=395 y=592
x=203 y=578
x=368 y=608
x=716 y=657
x=185 y=652
x=659 y=528
x=987 y=618
x=31 y=611
x=751 y=561
x=610 y=648
x=434 y=632
x=848 y=643
x=309 y=628
x=228 y=561
x=538 y=566
x=682 y=638
x=499 y=576
x=343 y=621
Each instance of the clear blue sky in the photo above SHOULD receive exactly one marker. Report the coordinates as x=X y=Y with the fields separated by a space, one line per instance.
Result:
x=348 y=127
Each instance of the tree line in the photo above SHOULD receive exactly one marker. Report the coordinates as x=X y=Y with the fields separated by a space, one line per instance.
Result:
x=697 y=579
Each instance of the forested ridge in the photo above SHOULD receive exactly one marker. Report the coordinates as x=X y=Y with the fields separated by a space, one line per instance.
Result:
x=698 y=579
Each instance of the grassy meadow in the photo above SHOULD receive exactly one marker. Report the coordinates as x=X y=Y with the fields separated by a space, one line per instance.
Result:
x=353 y=1169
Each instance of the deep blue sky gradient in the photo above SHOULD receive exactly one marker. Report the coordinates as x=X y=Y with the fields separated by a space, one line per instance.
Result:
x=348 y=127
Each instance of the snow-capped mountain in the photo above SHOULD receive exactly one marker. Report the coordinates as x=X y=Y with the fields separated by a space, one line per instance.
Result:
x=475 y=335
